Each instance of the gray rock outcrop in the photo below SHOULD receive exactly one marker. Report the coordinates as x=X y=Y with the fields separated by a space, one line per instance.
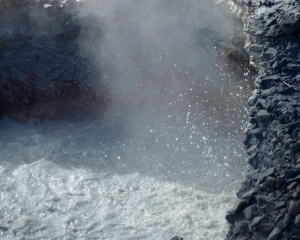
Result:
x=272 y=139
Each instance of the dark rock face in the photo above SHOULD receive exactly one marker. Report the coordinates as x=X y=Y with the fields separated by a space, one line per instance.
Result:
x=272 y=138
x=176 y=238
x=42 y=72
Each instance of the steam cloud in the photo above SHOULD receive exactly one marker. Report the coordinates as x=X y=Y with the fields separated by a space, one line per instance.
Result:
x=177 y=114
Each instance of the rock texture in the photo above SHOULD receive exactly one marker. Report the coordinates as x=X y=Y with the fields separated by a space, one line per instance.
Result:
x=268 y=205
x=42 y=71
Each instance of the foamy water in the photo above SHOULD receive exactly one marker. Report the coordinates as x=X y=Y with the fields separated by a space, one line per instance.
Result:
x=43 y=200
x=58 y=181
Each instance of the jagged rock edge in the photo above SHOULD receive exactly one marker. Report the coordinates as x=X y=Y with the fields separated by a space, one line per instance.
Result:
x=271 y=207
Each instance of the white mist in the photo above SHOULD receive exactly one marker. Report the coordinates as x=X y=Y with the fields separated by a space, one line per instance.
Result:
x=166 y=157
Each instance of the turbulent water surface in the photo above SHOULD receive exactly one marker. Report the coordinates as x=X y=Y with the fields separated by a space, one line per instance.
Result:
x=61 y=181
x=165 y=158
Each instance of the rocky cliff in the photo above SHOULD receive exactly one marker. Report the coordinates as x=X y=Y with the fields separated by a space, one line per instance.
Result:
x=268 y=205
x=42 y=71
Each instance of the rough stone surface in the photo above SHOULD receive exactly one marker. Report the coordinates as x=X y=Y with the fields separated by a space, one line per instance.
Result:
x=43 y=74
x=274 y=235
x=294 y=208
x=248 y=212
x=297 y=221
x=256 y=222
x=272 y=134
x=176 y=238
x=241 y=228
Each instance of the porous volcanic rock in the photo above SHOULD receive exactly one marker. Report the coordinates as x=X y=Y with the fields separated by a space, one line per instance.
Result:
x=272 y=134
x=43 y=74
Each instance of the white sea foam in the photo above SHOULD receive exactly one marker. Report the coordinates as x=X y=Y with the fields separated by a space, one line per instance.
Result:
x=53 y=186
x=43 y=200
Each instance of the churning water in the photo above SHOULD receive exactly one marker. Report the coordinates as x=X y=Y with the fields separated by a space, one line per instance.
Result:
x=166 y=157
x=63 y=180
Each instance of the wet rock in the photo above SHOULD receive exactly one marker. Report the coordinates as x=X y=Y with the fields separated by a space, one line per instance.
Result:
x=294 y=208
x=297 y=179
x=270 y=182
x=248 y=211
x=290 y=173
x=252 y=160
x=270 y=172
x=270 y=53
x=242 y=202
x=279 y=217
x=230 y=218
x=272 y=136
x=296 y=132
x=263 y=116
x=263 y=199
x=266 y=227
x=283 y=89
x=280 y=205
x=274 y=235
x=253 y=99
x=265 y=94
x=249 y=195
x=297 y=220
x=290 y=24
x=283 y=224
x=289 y=181
x=288 y=142
x=296 y=193
x=252 y=150
x=247 y=138
x=176 y=238
x=292 y=126
x=279 y=182
x=242 y=191
x=295 y=147
x=236 y=207
x=256 y=221
x=292 y=186
x=241 y=228
x=257 y=132
x=264 y=175
x=287 y=196
x=256 y=48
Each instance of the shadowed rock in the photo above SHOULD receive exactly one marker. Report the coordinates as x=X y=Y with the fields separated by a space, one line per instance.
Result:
x=43 y=74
